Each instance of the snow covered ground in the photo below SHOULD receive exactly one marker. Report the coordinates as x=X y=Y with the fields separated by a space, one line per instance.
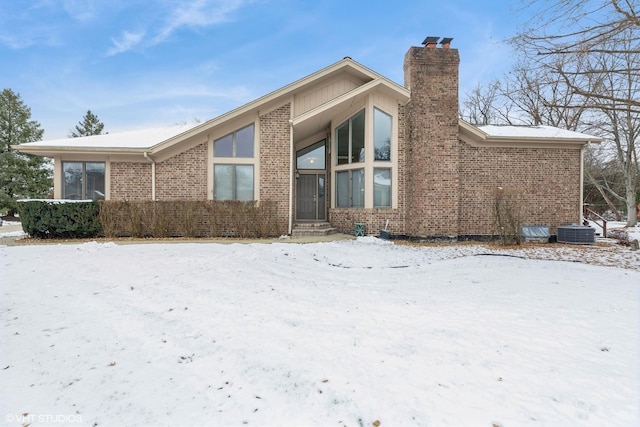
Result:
x=349 y=333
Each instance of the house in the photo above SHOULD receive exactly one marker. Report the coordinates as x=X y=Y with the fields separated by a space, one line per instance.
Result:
x=343 y=145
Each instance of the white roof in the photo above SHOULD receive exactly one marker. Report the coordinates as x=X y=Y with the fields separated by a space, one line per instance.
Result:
x=531 y=131
x=140 y=139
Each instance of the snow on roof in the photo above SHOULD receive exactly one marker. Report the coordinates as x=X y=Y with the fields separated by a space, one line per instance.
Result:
x=145 y=138
x=531 y=131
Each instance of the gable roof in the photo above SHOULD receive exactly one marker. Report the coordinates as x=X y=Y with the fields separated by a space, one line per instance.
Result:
x=153 y=141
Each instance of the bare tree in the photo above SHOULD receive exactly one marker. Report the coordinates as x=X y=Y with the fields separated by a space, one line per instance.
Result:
x=479 y=106
x=592 y=47
x=620 y=119
x=536 y=97
x=562 y=28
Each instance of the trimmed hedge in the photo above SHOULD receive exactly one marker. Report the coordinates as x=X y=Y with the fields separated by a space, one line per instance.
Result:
x=60 y=219
x=66 y=219
x=190 y=218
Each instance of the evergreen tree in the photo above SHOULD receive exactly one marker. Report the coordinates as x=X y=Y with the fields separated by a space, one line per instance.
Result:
x=90 y=125
x=21 y=175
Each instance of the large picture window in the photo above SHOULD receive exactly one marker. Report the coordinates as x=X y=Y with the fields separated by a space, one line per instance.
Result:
x=350 y=140
x=233 y=182
x=83 y=180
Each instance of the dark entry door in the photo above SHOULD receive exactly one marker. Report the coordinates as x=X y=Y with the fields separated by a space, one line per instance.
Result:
x=310 y=191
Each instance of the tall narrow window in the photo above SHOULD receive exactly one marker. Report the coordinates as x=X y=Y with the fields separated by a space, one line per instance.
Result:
x=233 y=177
x=350 y=140
x=83 y=180
x=381 y=187
x=381 y=135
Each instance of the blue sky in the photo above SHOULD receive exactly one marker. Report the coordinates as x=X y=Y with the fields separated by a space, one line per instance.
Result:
x=147 y=63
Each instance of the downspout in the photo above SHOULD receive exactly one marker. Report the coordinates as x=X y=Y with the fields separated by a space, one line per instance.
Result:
x=582 y=184
x=153 y=175
x=291 y=176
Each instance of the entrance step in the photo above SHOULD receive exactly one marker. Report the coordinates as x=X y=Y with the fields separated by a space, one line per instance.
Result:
x=312 y=229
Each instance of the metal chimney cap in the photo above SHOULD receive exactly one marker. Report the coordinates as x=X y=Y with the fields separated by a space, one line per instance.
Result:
x=431 y=40
x=446 y=40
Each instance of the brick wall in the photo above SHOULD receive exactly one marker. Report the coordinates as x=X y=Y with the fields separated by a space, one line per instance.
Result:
x=548 y=180
x=275 y=155
x=130 y=181
x=432 y=177
x=399 y=224
x=183 y=176
x=374 y=220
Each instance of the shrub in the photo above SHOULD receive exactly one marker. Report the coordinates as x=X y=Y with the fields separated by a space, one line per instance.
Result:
x=161 y=219
x=507 y=211
x=135 y=212
x=60 y=219
x=189 y=218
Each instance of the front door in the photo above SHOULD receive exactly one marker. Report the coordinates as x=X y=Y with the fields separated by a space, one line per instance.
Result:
x=310 y=192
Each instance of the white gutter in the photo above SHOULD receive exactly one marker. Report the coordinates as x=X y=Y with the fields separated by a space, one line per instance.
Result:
x=153 y=175
x=291 y=176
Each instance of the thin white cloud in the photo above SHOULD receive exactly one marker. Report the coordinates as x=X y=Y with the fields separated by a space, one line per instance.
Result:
x=15 y=42
x=176 y=15
x=197 y=14
x=80 y=10
x=126 y=42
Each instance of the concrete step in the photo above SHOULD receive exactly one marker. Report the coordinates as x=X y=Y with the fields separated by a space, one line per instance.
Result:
x=313 y=229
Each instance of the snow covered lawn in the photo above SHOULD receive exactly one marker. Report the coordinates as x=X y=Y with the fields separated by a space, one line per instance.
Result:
x=361 y=332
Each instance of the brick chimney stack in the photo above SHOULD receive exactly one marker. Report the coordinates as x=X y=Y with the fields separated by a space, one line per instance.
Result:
x=431 y=73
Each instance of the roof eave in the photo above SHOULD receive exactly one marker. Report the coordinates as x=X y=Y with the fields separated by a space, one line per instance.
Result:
x=401 y=94
x=56 y=150
x=478 y=138
x=281 y=93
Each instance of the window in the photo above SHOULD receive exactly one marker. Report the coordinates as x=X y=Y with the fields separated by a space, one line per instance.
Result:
x=83 y=180
x=233 y=182
x=236 y=144
x=350 y=188
x=352 y=166
x=233 y=179
x=350 y=140
x=381 y=135
x=311 y=157
x=381 y=187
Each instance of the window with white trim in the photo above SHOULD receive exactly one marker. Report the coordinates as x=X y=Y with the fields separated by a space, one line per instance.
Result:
x=350 y=188
x=381 y=187
x=236 y=144
x=350 y=140
x=83 y=180
x=233 y=166
x=381 y=135
x=364 y=168
x=232 y=182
